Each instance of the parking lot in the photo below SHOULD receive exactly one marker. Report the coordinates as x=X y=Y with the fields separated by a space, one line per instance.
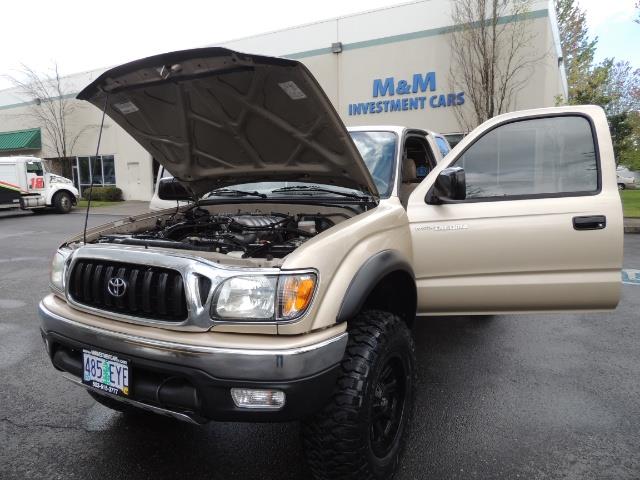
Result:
x=535 y=396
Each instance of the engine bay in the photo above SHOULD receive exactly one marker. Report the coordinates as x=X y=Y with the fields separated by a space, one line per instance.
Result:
x=240 y=235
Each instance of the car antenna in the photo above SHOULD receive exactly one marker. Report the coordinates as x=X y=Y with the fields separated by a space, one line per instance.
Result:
x=86 y=216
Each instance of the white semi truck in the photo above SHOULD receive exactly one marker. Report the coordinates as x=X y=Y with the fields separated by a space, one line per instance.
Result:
x=25 y=184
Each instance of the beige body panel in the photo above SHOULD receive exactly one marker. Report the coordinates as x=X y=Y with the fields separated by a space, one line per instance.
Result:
x=340 y=252
x=518 y=255
x=196 y=339
x=524 y=259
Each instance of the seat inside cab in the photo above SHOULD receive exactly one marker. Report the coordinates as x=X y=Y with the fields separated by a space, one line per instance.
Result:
x=418 y=160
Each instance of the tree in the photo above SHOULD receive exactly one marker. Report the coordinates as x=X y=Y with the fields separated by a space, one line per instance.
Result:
x=623 y=91
x=621 y=130
x=578 y=50
x=615 y=86
x=591 y=87
x=623 y=88
x=630 y=154
x=50 y=107
x=491 y=58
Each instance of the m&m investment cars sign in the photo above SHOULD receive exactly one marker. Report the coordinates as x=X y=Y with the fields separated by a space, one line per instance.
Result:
x=408 y=92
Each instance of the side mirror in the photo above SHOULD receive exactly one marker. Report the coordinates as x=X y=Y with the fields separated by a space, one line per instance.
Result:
x=449 y=187
x=171 y=189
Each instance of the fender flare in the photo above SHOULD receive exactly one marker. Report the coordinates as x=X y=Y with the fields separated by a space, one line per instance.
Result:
x=367 y=277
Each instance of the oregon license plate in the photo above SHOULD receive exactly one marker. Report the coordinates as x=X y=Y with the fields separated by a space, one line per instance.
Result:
x=105 y=372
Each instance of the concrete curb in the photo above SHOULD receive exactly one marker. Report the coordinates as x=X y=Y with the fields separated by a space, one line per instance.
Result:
x=632 y=225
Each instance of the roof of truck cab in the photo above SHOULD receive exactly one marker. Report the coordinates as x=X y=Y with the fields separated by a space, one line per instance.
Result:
x=18 y=159
x=399 y=129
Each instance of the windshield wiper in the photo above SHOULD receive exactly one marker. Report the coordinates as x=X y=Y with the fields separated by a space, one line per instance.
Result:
x=238 y=193
x=310 y=189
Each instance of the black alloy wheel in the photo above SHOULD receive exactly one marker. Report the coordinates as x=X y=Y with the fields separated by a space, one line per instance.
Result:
x=360 y=433
x=387 y=408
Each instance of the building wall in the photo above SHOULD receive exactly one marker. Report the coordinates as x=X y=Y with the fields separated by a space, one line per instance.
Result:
x=400 y=42
x=132 y=162
x=396 y=42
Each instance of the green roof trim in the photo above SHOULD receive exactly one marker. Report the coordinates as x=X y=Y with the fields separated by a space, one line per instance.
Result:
x=20 y=140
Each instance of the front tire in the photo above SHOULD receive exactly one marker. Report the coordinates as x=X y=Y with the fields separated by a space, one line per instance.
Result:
x=62 y=202
x=359 y=433
x=621 y=186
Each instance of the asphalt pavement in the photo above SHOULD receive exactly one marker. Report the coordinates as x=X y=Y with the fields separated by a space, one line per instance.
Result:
x=503 y=397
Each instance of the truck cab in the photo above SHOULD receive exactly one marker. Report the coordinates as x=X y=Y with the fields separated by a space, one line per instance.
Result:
x=25 y=184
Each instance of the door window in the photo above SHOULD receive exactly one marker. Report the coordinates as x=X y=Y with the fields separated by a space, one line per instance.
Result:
x=417 y=149
x=35 y=168
x=85 y=171
x=453 y=138
x=548 y=156
x=101 y=169
x=109 y=170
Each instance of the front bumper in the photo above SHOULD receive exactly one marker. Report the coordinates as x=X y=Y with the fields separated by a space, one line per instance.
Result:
x=193 y=381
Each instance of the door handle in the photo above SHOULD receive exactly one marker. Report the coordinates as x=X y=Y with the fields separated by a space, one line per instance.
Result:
x=592 y=222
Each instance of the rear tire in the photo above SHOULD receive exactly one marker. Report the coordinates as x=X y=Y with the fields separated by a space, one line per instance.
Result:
x=621 y=186
x=359 y=433
x=62 y=202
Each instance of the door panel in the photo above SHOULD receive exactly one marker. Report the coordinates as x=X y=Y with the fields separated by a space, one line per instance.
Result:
x=512 y=246
x=34 y=176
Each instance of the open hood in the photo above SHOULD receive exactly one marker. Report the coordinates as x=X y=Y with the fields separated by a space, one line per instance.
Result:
x=214 y=118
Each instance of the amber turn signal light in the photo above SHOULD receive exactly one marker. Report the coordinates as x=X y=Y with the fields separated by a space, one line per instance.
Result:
x=296 y=292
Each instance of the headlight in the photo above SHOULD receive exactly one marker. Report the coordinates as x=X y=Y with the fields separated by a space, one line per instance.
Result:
x=57 y=179
x=58 y=269
x=263 y=297
x=246 y=298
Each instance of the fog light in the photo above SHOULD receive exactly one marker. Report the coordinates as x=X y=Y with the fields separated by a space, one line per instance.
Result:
x=250 y=398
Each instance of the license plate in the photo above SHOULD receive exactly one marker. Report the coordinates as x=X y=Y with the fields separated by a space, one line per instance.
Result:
x=106 y=372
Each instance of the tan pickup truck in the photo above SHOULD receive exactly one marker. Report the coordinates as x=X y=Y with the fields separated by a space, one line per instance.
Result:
x=288 y=288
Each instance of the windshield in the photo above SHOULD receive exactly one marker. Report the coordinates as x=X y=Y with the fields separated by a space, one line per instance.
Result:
x=378 y=150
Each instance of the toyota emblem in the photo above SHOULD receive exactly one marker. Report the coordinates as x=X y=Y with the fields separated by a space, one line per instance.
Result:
x=117 y=286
